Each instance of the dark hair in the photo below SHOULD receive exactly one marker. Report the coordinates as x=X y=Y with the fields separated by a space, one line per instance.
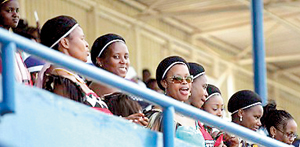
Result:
x=243 y=99
x=2 y=2
x=149 y=82
x=146 y=70
x=55 y=28
x=165 y=65
x=274 y=117
x=26 y=31
x=196 y=70
x=121 y=104
x=101 y=44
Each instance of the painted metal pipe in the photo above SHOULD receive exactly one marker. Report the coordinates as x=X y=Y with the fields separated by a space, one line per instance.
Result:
x=106 y=77
x=168 y=126
x=8 y=78
x=259 y=65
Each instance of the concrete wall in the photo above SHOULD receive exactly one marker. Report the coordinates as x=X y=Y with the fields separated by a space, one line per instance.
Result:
x=43 y=119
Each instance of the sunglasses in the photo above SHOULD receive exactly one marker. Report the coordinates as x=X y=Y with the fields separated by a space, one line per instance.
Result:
x=179 y=79
x=289 y=135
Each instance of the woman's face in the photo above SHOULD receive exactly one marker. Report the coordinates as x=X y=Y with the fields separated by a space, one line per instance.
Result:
x=198 y=92
x=78 y=47
x=287 y=135
x=214 y=105
x=174 y=88
x=116 y=59
x=9 y=14
x=251 y=117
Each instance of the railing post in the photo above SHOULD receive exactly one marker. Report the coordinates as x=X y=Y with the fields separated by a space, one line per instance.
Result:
x=8 y=78
x=168 y=126
x=259 y=65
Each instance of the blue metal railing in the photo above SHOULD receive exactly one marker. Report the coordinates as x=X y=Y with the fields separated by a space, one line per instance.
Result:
x=7 y=105
x=103 y=76
x=259 y=65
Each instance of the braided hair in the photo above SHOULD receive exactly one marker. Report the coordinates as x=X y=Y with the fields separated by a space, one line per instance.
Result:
x=274 y=117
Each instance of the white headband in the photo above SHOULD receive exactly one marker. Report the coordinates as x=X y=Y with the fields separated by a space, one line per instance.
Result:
x=4 y=1
x=107 y=44
x=66 y=34
x=254 y=104
x=216 y=93
x=198 y=75
x=170 y=67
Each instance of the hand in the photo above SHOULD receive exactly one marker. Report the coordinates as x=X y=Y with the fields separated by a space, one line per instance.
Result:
x=138 y=118
x=231 y=140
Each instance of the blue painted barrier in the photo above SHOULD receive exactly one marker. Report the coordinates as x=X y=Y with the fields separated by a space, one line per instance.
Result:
x=44 y=119
x=130 y=87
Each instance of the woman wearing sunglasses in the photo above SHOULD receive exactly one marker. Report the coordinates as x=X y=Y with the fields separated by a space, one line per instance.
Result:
x=174 y=78
x=110 y=52
x=279 y=124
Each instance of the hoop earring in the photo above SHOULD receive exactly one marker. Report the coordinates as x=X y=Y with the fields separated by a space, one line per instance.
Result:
x=241 y=118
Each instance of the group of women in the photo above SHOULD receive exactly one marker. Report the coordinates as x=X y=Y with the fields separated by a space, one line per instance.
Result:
x=180 y=80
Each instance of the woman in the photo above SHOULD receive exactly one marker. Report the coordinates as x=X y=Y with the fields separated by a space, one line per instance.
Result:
x=198 y=92
x=214 y=102
x=279 y=124
x=109 y=52
x=214 y=105
x=9 y=15
x=198 y=97
x=246 y=110
x=63 y=34
x=9 y=18
x=174 y=79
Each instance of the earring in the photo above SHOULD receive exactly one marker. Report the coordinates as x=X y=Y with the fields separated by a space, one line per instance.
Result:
x=273 y=136
x=241 y=118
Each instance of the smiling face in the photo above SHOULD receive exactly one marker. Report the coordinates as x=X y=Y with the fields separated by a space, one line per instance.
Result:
x=251 y=117
x=285 y=133
x=78 y=47
x=198 y=92
x=214 y=105
x=178 y=91
x=9 y=14
x=115 y=59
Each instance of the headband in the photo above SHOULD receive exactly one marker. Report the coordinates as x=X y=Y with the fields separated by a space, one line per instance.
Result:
x=4 y=1
x=106 y=45
x=170 y=67
x=198 y=75
x=216 y=93
x=254 y=104
x=66 y=34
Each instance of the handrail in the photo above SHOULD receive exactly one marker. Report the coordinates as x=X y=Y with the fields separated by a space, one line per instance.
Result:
x=130 y=87
x=8 y=104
